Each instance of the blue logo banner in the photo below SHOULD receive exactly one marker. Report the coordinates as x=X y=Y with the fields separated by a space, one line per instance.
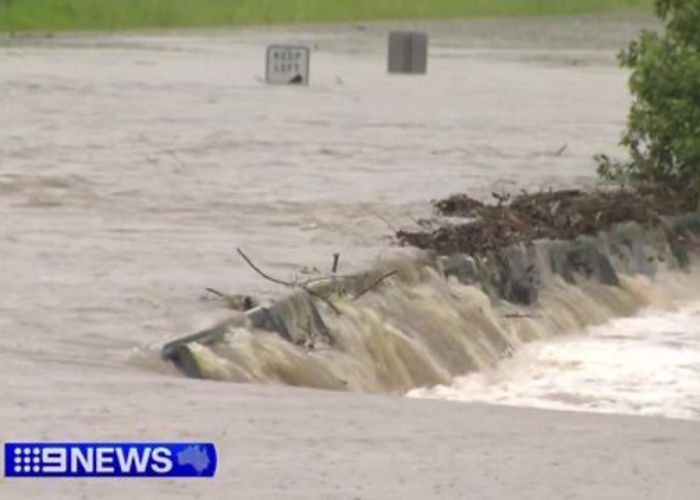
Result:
x=110 y=460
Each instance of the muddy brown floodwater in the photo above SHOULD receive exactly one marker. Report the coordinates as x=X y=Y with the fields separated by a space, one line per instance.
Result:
x=132 y=166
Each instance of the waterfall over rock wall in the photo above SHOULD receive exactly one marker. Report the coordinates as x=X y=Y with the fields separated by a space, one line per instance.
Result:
x=440 y=317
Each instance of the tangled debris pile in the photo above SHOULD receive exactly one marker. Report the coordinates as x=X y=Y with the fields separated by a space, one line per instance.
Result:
x=562 y=215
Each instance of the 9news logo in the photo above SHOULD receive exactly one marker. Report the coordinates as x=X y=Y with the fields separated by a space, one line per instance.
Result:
x=110 y=460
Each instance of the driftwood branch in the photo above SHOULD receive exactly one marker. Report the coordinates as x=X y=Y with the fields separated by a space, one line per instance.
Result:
x=289 y=284
x=375 y=283
x=216 y=292
x=262 y=273
x=324 y=299
x=305 y=285
x=326 y=278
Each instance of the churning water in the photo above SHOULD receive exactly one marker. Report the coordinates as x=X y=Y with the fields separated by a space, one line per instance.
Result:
x=571 y=352
x=646 y=365
x=132 y=166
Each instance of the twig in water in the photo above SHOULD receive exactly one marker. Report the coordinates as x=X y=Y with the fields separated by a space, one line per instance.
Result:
x=325 y=278
x=261 y=273
x=324 y=299
x=216 y=292
x=289 y=284
x=375 y=284
x=519 y=315
x=336 y=258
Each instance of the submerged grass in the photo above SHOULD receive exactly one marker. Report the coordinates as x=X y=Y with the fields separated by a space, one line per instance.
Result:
x=54 y=15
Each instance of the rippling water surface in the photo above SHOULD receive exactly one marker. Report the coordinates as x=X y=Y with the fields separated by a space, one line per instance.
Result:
x=132 y=166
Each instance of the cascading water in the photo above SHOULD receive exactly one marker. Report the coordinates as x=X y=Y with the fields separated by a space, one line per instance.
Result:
x=648 y=364
x=437 y=320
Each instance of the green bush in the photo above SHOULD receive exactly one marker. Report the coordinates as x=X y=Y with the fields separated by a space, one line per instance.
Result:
x=663 y=125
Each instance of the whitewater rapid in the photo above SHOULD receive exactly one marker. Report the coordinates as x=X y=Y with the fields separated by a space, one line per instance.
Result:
x=648 y=364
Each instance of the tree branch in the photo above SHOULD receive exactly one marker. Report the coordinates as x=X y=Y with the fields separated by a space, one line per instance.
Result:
x=303 y=286
x=261 y=273
x=375 y=283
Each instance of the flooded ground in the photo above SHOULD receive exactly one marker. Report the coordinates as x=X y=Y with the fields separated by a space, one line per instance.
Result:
x=132 y=166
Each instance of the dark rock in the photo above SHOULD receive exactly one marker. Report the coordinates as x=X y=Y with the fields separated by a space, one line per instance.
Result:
x=267 y=319
x=183 y=358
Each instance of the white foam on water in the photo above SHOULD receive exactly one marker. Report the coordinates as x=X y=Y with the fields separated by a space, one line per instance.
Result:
x=644 y=365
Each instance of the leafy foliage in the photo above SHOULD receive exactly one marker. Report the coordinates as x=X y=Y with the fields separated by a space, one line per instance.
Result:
x=663 y=125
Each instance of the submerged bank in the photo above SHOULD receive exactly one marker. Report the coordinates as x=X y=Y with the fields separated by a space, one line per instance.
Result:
x=106 y=251
x=57 y=15
x=440 y=317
